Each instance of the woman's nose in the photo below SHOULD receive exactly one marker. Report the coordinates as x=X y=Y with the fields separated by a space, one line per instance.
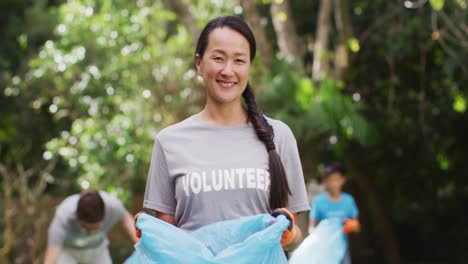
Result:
x=227 y=69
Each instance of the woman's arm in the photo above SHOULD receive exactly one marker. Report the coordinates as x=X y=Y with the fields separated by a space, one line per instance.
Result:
x=297 y=238
x=165 y=217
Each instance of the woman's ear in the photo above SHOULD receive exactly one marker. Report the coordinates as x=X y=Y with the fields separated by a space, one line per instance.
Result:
x=197 y=63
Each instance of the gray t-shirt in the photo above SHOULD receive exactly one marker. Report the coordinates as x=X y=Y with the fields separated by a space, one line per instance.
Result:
x=202 y=173
x=65 y=230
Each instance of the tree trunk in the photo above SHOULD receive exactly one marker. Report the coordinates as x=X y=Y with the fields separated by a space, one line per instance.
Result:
x=343 y=25
x=377 y=212
x=288 y=41
x=8 y=223
x=184 y=16
x=320 y=65
x=254 y=20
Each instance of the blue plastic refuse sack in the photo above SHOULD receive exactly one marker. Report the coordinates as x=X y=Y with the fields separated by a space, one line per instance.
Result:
x=327 y=244
x=133 y=259
x=253 y=239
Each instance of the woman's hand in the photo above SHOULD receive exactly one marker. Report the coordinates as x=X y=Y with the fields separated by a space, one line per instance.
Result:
x=290 y=233
x=137 y=230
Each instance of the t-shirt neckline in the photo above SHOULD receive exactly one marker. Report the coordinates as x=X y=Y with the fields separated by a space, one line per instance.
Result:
x=334 y=201
x=197 y=118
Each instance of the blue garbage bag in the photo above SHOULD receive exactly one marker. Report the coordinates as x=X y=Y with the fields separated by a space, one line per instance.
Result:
x=327 y=244
x=254 y=239
x=133 y=259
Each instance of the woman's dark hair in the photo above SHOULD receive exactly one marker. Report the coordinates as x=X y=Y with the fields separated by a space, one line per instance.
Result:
x=279 y=188
x=90 y=207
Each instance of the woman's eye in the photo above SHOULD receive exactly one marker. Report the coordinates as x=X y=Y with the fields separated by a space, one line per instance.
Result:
x=218 y=59
x=239 y=61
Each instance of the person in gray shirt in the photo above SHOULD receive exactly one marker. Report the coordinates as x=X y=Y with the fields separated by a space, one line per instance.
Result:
x=78 y=230
x=229 y=160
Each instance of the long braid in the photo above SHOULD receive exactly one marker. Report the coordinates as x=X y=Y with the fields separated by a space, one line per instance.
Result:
x=279 y=188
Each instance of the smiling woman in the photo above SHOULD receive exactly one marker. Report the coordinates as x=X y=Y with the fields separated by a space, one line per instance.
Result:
x=225 y=68
x=228 y=161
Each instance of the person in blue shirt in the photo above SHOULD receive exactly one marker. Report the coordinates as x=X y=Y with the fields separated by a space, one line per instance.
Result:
x=335 y=204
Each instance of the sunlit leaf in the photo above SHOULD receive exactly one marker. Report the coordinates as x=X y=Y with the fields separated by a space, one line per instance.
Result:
x=459 y=104
x=305 y=92
x=23 y=41
x=282 y=16
x=437 y=5
x=443 y=162
x=353 y=44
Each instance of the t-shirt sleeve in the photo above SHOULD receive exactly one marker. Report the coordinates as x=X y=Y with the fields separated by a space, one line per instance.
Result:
x=314 y=214
x=56 y=232
x=354 y=211
x=298 y=201
x=159 y=194
x=116 y=209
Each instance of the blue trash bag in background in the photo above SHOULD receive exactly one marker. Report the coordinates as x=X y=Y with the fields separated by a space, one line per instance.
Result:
x=327 y=244
x=253 y=239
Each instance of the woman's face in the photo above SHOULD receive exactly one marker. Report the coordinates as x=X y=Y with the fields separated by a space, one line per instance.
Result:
x=225 y=66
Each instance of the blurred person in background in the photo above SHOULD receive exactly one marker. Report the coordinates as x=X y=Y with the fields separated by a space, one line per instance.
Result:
x=78 y=232
x=335 y=204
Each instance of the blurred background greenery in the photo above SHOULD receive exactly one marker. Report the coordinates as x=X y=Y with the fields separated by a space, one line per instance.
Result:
x=381 y=85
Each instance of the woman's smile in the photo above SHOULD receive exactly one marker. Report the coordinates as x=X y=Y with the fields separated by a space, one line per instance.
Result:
x=226 y=84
